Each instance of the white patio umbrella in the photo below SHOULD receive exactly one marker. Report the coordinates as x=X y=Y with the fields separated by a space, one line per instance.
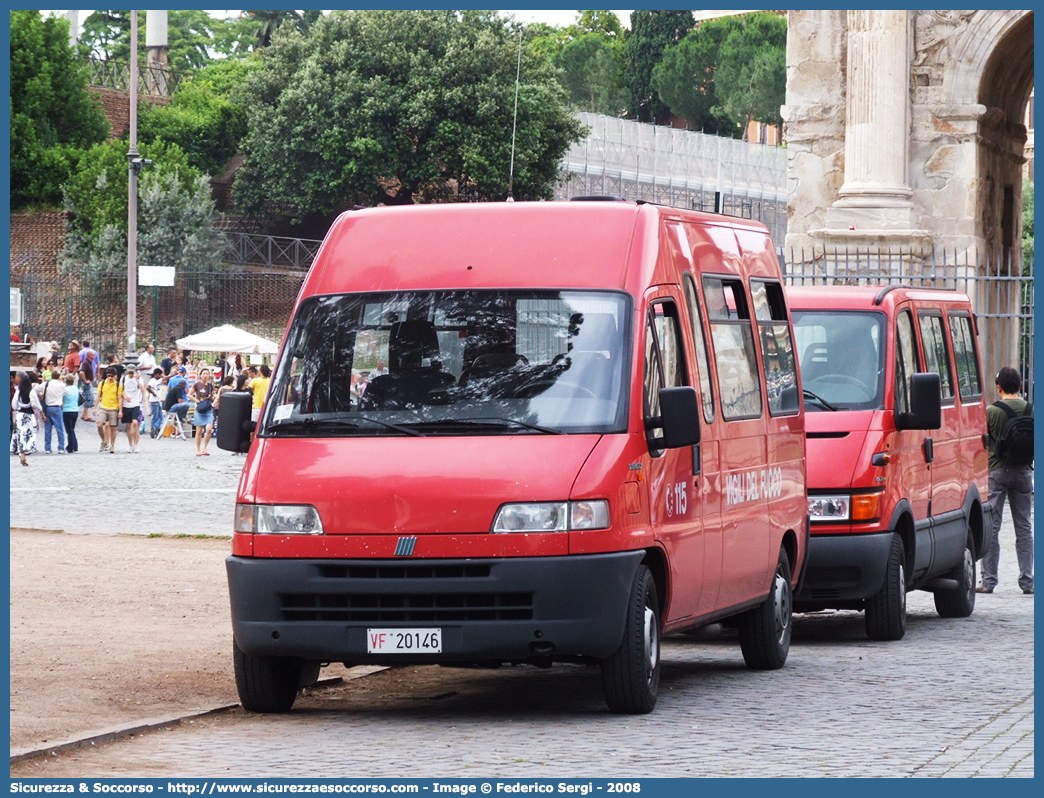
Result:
x=228 y=338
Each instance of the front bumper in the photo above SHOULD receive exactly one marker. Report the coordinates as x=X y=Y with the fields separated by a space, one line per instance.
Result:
x=843 y=568
x=489 y=610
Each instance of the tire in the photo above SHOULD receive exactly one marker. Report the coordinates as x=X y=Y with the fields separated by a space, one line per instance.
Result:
x=886 y=611
x=266 y=684
x=959 y=603
x=631 y=675
x=765 y=631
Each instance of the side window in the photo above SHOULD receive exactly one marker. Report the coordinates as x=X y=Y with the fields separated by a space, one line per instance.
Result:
x=777 y=347
x=965 y=353
x=936 y=351
x=706 y=392
x=664 y=357
x=732 y=335
x=907 y=363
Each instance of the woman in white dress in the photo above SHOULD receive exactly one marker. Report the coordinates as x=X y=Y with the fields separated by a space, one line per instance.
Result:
x=25 y=404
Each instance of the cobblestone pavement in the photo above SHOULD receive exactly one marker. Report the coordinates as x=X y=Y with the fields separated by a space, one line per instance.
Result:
x=175 y=491
x=954 y=698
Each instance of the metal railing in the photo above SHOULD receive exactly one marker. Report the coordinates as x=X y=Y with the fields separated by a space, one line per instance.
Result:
x=154 y=80
x=1000 y=289
x=250 y=249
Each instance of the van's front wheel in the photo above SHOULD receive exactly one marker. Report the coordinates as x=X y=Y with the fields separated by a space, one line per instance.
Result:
x=765 y=631
x=631 y=675
x=266 y=684
x=886 y=611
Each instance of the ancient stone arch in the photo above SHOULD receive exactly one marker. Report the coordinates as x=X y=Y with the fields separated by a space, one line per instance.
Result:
x=905 y=129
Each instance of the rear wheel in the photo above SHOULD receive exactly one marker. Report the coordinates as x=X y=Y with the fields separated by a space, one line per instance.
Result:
x=266 y=684
x=631 y=676
x=959 y=603
x=886 y=611
x=765 y=631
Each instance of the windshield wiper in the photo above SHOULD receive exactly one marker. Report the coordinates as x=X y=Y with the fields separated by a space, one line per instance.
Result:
x=525 y=424
x=817 y=398
x=310 y=423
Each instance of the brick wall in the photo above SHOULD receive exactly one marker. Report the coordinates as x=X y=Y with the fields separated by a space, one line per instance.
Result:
x=36 y=239
x=117 y=108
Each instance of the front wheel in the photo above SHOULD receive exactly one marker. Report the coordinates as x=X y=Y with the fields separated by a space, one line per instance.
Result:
x=631 y=675
x=765 y=631
x=265 y=683
x=959 y=603
x=886 y=610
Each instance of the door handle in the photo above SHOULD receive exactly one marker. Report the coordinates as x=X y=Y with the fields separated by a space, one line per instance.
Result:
x=929 y=450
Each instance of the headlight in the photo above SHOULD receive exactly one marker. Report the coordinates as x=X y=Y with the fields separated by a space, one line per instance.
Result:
x=278 y=519
x=552 y=516
x=829 y=508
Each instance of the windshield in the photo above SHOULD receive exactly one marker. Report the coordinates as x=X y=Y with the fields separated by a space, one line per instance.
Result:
x=841 y=359
x=496 y=362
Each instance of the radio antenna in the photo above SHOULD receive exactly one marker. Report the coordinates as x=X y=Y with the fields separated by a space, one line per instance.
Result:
x=514 y=121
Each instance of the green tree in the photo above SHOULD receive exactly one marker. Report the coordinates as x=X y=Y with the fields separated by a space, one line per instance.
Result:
x=267 y=22
x=605 y=23
x=203 y=118
x=650 y=34
x=52 y=115
x=751 y=76
x=97 y=192
x=395 y=106
x=175 y=212
x=685 y=77
x=591 y=74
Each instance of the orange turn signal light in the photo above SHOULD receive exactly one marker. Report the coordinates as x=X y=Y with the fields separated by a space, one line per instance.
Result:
x=866 y=506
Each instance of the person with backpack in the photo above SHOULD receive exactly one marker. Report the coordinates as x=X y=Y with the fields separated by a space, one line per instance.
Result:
x=1010 y=426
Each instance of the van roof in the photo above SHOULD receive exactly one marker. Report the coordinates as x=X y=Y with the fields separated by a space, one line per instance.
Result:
x=870 y=297
x=489 y=245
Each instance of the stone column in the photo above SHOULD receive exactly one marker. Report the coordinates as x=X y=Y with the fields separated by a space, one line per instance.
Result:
x=874 y=204
x=156 y=53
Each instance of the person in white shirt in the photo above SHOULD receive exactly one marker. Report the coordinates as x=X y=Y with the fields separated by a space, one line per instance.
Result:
x=147 y=360
x=156 y=391
x=130 y=406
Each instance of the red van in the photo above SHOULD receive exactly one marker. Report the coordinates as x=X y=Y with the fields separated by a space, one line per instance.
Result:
x=896 y=447
x=521 y=433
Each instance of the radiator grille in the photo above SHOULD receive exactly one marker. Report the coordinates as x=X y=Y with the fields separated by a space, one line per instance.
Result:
x=404 y=571
x=416 y=607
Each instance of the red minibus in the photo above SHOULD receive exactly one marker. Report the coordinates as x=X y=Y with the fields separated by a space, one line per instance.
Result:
x=897 y=450
x=524 y=433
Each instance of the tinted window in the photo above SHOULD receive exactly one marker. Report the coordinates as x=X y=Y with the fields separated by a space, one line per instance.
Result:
x=664 y=357
x=777 y=348
x=706 y=392
x=966 y=355
x=936 y=351
x=907 y=361
x=732 y=335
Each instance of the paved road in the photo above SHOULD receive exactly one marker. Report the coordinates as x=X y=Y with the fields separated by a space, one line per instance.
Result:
x=954 y=698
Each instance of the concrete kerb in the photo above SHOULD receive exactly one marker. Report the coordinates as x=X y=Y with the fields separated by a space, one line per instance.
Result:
x=154 y=724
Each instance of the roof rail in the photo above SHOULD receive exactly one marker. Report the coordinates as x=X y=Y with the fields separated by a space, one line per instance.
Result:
x=884 y=292
x=598 y=198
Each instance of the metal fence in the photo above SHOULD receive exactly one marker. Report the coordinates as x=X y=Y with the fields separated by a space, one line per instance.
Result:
x=1000 y=289
x=637 y=161
x=154 y=80
x=269 y=251
x=262 y=300
x=74 y=307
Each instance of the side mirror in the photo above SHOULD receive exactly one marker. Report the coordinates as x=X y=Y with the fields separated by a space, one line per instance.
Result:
x=679 y=418
x=925 y=404
x=234 y=427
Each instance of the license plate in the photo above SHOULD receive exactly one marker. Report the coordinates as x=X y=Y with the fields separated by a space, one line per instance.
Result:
x=403 y=641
